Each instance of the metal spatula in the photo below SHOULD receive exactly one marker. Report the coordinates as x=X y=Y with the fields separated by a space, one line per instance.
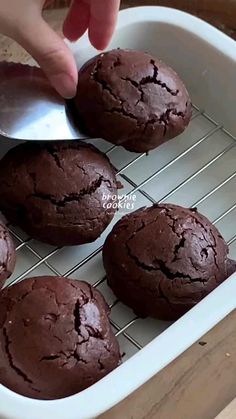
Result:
x=30 y=109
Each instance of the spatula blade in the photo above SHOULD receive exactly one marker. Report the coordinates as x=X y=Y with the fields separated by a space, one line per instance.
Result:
x=30 y=109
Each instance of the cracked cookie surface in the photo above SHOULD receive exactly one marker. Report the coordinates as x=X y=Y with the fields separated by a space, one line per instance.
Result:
x=55 y=337
x=7 y=254
x=55 y=191
x=132 y=99
x=163 y=260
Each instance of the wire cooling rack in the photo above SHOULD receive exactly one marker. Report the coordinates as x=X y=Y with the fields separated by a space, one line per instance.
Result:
x=194 y=170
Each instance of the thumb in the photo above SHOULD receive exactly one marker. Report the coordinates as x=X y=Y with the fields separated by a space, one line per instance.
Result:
x=53 y=56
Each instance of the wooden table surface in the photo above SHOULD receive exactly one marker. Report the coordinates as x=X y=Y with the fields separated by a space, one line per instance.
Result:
x=201 y=383
x=197 y=385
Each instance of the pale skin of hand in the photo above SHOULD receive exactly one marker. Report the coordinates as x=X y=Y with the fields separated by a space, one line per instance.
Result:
x=22 y=21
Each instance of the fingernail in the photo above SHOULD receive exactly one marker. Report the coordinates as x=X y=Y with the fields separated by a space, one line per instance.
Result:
x=64 y=84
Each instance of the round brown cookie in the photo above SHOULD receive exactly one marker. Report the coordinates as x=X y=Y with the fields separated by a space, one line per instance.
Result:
x=132 y=99
x=55 y=337
x=163 y=260
x=55 y=191
x=7 y=255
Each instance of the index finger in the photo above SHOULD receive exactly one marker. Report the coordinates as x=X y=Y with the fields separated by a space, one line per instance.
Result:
x=103 y=16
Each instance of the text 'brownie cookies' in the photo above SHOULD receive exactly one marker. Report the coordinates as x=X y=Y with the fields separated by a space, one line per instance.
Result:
x=55 y=192
x=132 y=99
x=7 y=254
x=55 y=338
x=163 y=260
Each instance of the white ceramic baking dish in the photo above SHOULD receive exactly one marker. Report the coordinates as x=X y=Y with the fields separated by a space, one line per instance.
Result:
x=197 y=168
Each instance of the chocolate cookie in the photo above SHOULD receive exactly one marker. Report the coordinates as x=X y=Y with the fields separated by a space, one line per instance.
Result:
x=132 y=99
x=55 y=192
x=7 y=255
x=163 y=260
x=55 y=338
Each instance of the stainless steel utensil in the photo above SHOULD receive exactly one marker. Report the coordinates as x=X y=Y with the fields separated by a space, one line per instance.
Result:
x=30 y=109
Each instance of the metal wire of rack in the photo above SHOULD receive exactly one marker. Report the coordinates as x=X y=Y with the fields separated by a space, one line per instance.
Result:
x=46 y=260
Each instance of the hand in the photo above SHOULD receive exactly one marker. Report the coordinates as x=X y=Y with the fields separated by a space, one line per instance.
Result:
x=22 y=21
